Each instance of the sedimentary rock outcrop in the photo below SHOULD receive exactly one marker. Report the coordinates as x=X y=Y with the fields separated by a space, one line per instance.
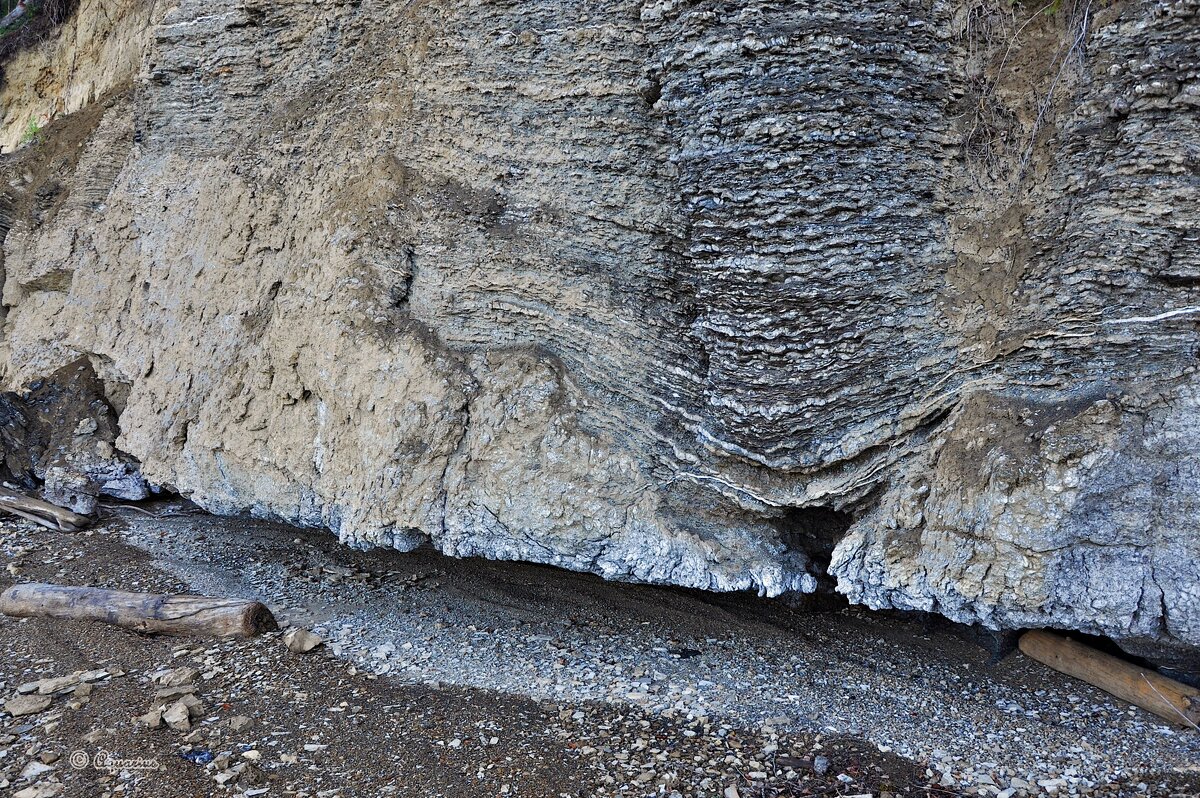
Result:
x=728 y=295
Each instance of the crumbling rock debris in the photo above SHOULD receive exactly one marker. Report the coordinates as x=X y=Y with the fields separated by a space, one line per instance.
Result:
x=175 y=677
x=631 y=288
x=60 y=434
x=151 y=719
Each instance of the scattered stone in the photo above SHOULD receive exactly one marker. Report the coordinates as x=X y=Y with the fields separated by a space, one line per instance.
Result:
x=22 y=705
x=34 y=770
x=728 y=720
x=301 y=641
x=58 y=685
x=175 y=677
x=45 y=790
x=178 y=716
x=174 y=692
x=152 y=719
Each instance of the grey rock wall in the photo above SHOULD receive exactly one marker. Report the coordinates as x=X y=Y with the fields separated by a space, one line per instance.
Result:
x=726 y=295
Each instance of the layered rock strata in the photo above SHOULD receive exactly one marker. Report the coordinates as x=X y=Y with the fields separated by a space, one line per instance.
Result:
x=725 y=295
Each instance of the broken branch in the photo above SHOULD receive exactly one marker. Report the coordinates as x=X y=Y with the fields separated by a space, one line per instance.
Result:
x=1141 y=687
x=48 y=515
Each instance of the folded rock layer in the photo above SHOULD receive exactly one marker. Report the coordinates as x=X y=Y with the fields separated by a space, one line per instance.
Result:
x=725 y=295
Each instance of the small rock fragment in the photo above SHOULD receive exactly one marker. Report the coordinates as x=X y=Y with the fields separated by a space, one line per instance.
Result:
x=34 y=770
x=152 y=719
x=21 y=705
x=176 y=677
x=178 y=716
x=40 y=791
x=174 y=692
x=57 y=685
x=194 y=705
x=301 y=641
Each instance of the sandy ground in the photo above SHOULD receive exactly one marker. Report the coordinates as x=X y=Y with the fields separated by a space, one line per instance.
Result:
x=459 y=678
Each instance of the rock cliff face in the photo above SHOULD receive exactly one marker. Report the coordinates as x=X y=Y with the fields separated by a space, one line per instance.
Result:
x=728 y=295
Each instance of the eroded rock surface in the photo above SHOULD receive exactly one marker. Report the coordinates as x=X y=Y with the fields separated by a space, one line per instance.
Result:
x=58 y=438
x=712 y=294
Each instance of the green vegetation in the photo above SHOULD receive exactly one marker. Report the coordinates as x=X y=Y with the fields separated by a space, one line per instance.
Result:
x=31 y=132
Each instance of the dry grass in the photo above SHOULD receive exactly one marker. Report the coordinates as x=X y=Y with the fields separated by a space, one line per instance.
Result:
x=1004 y=119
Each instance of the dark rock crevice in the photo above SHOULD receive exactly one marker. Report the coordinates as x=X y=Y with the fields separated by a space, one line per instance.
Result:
x=815 y=532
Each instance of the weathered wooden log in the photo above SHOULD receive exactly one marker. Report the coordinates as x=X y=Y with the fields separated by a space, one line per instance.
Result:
x=48 y=515
x=195 y=616
x=1141 y=687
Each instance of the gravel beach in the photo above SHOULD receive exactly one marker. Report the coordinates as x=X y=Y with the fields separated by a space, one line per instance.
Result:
x=451 y=669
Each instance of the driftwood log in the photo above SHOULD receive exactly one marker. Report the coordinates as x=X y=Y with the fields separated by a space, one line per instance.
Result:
x=194 y=616
x=1142 y=687
x=40 y=512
